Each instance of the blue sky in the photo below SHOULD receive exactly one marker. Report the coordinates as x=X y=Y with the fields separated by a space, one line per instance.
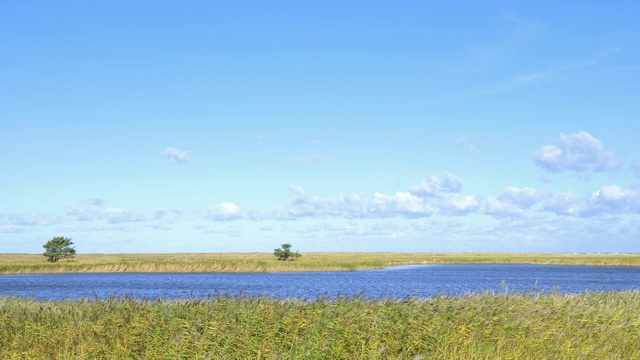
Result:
x=198 y=126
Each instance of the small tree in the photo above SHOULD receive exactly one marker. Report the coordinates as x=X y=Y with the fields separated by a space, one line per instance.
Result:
x=285 y=253
x=58 y=248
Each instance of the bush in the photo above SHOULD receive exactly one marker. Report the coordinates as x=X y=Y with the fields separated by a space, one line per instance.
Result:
x=285 y=253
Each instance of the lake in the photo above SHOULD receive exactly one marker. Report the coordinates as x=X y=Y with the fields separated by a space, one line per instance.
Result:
x=395 y=282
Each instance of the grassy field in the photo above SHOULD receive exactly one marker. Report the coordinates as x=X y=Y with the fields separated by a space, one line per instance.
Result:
x=484 y=326
x=478 y=326
x=264 y=262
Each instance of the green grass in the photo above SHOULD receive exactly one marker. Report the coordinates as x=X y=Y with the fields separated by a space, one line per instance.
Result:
x=264 y=262
x=482 y=326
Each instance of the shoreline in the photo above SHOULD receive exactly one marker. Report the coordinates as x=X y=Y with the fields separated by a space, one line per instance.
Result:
x=265 y=262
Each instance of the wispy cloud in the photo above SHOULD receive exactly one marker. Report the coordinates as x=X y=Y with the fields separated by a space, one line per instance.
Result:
x=463 y=142
x=176 y=156
x=313 y=159
x=95 y=201
x=117 y=216
x=635 y=166
x=527 y=79
x=26 y=218
x=11 y=229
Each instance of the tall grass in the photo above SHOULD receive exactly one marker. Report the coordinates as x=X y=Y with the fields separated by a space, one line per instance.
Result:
x=264 y=262
x=491 y=326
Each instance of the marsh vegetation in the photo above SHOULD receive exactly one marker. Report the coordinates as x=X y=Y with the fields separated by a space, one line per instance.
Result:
x=265 y=262
x=477 y=326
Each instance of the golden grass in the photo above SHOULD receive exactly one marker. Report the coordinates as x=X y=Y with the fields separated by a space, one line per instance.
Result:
x=264 y=262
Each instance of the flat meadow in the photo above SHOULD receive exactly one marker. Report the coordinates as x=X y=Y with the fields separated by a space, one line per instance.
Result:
x=265 y=262
x=590 y=325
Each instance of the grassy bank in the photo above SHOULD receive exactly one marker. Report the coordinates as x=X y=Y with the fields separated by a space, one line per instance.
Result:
x=264 y=262
x=514 y=326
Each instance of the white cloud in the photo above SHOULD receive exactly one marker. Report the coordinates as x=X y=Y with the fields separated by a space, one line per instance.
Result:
x=430 y=197
x=579 y=152
x=500 y=208
x=82 y=214
x=117 y=216
x=434 y=185
x=459 y=204
x=608 y=200
x=615 y=199
x=297 y=190
x=401 y=204
x=565 y=204
x=348 y=206
x=513 y=202
x=223 y=212
x=436 y=196
x=176 y=156
x=522 y=196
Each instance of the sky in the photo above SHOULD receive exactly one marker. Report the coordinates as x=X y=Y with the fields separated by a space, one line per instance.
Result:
x=210 y=126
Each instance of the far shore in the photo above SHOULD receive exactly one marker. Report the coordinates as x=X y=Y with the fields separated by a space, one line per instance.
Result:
x=266 y=262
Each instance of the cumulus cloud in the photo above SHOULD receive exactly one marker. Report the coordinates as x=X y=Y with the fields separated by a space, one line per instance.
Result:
x=565 y=204
x=500 y=208
x=615 y=199
x=459 y=204
x=223 y=212
x=400 y=204
x=348 y=206
x=432 y=196
x=441 y=196
x=434 y=185
x=579 y=152
x=524 y=197
x=608 y=200
x=513 y=202
x=176 y=156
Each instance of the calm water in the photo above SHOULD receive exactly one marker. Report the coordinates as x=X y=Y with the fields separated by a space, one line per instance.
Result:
x=396 y=282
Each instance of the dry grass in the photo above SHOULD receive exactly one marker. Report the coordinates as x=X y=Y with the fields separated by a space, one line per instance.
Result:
x=264 y=262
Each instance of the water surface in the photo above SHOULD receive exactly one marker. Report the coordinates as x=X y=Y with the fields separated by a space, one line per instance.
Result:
x=394 y=282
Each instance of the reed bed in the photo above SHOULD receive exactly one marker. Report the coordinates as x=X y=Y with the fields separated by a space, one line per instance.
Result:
x=476 y=326
x=264 y=262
